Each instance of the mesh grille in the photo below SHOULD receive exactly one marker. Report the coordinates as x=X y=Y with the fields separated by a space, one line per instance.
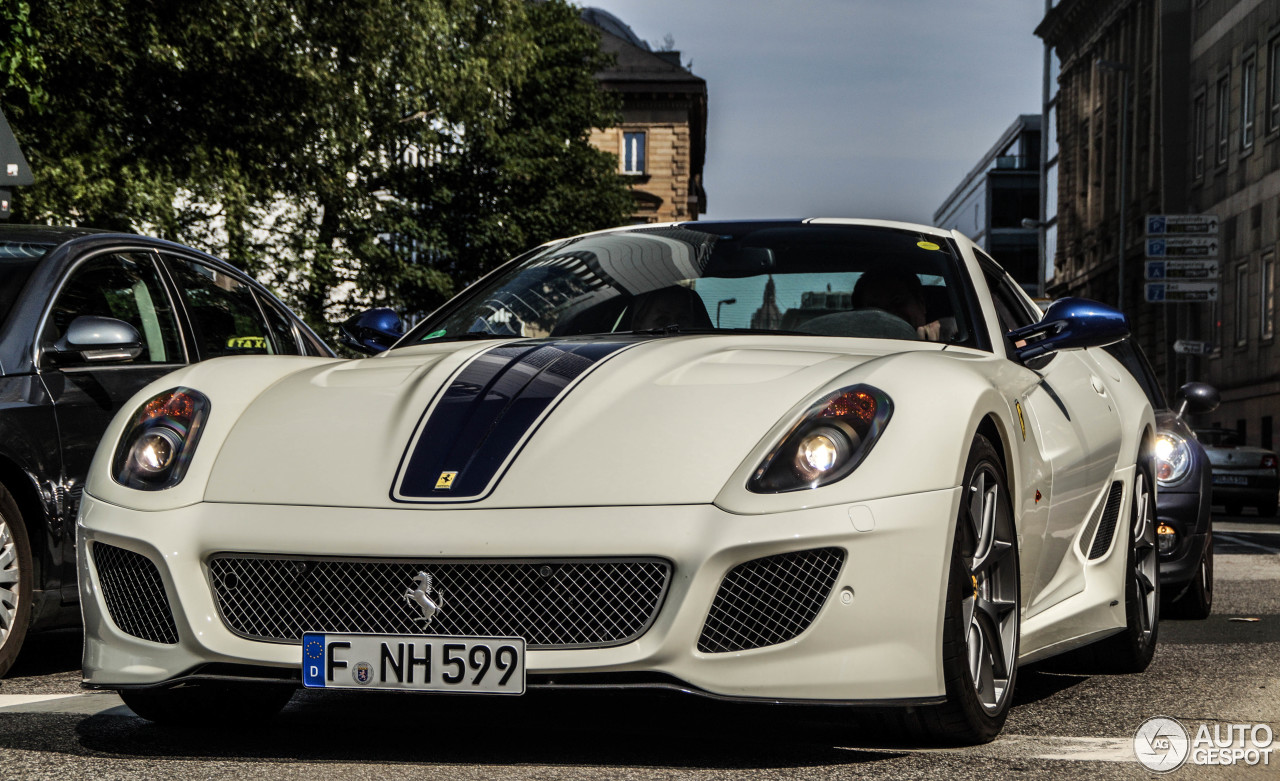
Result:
x=134 y=594
x=1107 y=526
x=551 y=604
x=769 y=601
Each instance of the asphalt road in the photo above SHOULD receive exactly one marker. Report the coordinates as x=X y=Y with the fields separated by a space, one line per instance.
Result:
x=1063 y=725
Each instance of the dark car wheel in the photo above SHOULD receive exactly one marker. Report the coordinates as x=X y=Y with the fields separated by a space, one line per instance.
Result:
x=1131 y=650
x=1269 y=509
x=15 y=581
x=1196 y=602
x=981 y=626
x=209 y=704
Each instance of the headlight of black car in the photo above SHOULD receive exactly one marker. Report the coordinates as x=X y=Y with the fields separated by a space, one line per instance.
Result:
x=1173 y=458
x=831 y=439
x=156 y=448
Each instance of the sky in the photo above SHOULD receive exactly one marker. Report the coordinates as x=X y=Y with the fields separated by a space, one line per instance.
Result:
x=847 y=108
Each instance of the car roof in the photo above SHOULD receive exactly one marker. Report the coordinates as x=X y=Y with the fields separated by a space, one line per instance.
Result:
x=43 y=234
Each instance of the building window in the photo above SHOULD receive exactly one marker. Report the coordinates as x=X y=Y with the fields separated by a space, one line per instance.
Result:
x=1242 y=308
x=1224 y=117
x=1198 y=118
x=1248 y=100
x=633 y=152
x=1267 y=297
x=1273 y=85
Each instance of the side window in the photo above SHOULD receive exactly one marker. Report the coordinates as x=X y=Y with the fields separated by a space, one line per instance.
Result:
x=281 y=327
x=126 y=287
x=1011 y=312
x=223 y=311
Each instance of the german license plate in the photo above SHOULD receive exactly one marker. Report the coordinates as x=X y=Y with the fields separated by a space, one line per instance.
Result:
x=1230 y=480
x=479 y=665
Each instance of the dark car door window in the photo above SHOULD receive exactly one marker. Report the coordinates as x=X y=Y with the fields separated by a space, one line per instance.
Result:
x=127 y=287
x=281 y=327
x=224 y=315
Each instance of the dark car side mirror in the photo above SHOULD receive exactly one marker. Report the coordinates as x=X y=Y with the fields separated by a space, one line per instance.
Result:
x=1197 y=398
x=92 y=339
x=1070 y=324
x=372 y=331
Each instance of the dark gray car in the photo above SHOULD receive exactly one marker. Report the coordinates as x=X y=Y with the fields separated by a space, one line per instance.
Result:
x=1183 y=490
x=86 y=320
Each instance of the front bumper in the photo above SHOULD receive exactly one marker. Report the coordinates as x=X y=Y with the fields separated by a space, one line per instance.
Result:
x=1187 y=512
x=876 y=638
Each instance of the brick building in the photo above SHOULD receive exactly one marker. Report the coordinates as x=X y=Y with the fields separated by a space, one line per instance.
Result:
x=1202 y=135
x=662 y=141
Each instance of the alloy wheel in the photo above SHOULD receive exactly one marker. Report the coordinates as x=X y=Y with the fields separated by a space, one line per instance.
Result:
x=990 y=604
x=9 y=575
x=1144 y=571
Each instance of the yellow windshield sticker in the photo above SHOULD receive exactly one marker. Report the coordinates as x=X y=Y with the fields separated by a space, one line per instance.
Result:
x=927 y=245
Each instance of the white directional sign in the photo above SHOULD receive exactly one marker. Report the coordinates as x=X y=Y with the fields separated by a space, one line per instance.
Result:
x=1182 y=247
x=1182 y=269
x=1188 y=347
x=1181 y=292
x=1183 y=224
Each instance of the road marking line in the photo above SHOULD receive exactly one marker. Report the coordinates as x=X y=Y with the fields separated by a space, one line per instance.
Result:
x=88 y=704
x=16 y=700
x=1237 y=541
x=1084 y=749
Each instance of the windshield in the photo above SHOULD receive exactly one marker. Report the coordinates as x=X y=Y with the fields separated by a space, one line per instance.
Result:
x=783 y=278
x=17 y=259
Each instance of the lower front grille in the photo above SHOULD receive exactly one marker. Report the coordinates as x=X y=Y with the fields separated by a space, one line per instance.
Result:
x=134 y=593
x=565 y=603
x=769 y=601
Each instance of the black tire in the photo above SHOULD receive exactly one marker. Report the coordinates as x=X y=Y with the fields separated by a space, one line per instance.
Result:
x=1196 y=602
x=16 y=581
x=1269 y=509
x=1132 y=649
x=972 y=713
x=209 y=704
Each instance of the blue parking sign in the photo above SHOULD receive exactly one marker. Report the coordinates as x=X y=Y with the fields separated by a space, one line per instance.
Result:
x=1155 y=291
x=1156 y=224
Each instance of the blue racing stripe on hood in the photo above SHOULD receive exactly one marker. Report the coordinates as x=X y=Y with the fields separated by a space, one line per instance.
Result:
x=488 y=409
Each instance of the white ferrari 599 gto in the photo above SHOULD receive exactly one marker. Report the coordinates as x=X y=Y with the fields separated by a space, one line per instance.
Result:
x=834 y=461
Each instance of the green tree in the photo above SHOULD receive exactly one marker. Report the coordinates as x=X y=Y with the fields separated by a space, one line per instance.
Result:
x=370 y=151
x=21 y=66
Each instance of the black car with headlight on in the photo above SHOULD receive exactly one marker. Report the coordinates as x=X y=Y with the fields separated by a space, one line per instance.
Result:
x=1185 y=488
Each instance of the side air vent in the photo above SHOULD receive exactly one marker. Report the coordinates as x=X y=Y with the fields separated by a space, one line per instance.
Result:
x=1107 y=526
x=134 y=593
x=770 y=600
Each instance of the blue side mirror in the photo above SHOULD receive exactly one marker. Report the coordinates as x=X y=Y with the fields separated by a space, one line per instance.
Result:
x=372 y=331
x=1071 y=324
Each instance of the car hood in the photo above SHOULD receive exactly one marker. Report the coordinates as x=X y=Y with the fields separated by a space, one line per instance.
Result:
x=632 y=421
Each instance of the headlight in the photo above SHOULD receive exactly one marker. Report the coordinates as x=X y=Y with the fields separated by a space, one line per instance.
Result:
x=1173 y=458
x=158 y=444
x=831 y=439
